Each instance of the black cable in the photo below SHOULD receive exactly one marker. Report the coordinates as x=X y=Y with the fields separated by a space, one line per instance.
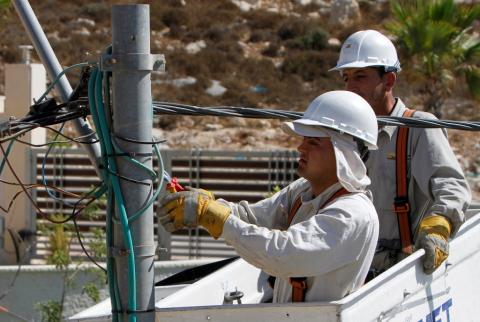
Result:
x=19 y=260
x=139 y=142
x=83 y=247
x=69 y=139
x=46 y=216
x=228 y=111
x=128 y=179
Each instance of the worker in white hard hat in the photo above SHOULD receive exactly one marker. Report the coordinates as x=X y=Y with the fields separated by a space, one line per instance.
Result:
x=318 y=235
x=419 y=189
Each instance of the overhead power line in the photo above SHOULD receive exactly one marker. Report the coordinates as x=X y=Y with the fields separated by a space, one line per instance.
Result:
x=167 y=108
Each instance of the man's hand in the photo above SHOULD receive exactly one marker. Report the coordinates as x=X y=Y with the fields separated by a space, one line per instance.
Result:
x=192 y=208
x=433 y=238
x=209 y=194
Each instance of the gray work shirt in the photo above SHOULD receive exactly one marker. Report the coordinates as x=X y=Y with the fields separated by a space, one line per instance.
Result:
x=437 y=184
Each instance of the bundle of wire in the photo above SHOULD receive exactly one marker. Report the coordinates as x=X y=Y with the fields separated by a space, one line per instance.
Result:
x=109 y=150
x=98 y=94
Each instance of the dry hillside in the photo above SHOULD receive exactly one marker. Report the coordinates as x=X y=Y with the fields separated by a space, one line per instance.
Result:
x=254 y=53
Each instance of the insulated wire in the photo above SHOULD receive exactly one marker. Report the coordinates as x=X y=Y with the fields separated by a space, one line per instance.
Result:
x=159 y=188
x=55 y=81
x=98 y=105
x=114 y=297
x=44 y=180
x=228 y=111
x=30 y=198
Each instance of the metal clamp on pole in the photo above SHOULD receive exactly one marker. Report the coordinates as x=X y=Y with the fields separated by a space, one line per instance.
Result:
x=132 y=61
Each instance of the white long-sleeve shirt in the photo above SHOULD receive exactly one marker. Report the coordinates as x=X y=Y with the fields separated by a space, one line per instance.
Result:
x=333 y=247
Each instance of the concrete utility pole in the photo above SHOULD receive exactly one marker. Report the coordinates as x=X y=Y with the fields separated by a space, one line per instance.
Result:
x=50 y=61
x=131 y=64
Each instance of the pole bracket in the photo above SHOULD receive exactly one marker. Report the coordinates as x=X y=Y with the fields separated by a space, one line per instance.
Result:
x=132 y=62
x=139 y=251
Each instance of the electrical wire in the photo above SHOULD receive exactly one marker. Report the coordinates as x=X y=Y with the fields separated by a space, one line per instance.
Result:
x=29 y=187
x=39 y=210
x=140 y=142
x=97 y=107
x=44 y=180
x=19 y=260
x=77 y=231
x=55 y=81
x=161 y=108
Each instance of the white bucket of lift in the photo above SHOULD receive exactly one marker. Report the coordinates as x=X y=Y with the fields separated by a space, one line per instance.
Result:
x=403 y=293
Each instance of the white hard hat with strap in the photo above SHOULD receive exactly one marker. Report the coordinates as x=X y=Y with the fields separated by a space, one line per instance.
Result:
x=343 y=111
x=368 y=48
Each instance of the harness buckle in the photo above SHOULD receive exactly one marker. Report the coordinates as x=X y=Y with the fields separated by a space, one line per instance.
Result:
x=298 y=282
x=401 y=205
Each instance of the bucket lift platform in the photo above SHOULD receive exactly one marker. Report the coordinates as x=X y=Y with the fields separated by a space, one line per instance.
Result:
x=403 y=293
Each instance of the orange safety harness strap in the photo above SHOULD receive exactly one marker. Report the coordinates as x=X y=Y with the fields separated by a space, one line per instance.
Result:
x=401 y=205
x=299 y=284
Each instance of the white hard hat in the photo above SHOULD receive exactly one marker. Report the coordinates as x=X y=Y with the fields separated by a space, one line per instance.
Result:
x=368 y=48
x=343 y=111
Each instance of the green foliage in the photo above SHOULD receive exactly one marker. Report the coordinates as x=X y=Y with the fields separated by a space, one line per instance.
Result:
x=97 y=245
x=4 y=3
x=275 y=189
x=92 y=210
x=437 y=37
x=51 y=311
x=304 y=36
x=91 y=290
x=59 y=244
x=59 y=236
x=316 y=39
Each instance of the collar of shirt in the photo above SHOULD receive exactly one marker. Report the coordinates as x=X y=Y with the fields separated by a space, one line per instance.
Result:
x=398 y=110
x=319 y=200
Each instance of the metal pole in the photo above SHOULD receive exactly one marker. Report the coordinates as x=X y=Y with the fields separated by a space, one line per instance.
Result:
x=50 y=61
x=131 y=64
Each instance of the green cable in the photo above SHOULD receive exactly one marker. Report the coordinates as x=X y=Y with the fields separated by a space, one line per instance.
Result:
x=116 y=292
x=132 y=290
x=159 y=188
x=7 y=152
x=55 y=81
x=110 y=261
x=96 y=121
x=151 y=173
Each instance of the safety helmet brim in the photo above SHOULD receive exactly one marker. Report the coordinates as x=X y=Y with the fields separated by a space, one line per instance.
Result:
x=299 y=128
x=312 y=128
x=354 y=65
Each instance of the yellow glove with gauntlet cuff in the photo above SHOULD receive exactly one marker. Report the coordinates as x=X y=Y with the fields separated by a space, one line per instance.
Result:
x=433 y=238
x=188 y=209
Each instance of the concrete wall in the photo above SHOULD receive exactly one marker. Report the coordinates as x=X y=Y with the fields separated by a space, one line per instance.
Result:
x=2 y=104
x=40 y=283
x=23 y=83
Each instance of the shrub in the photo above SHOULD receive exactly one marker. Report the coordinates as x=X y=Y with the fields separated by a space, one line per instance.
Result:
x=292 y=29
x=316 y=39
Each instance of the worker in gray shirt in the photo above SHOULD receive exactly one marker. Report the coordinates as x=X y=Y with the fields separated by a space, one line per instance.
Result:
x=419 y=189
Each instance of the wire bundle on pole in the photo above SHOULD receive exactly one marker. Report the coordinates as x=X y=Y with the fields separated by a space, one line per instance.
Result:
x=110 y=151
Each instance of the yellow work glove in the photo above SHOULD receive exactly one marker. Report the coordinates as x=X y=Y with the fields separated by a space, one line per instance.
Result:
x=433 y=238
x=209 y=194
x=191 y=208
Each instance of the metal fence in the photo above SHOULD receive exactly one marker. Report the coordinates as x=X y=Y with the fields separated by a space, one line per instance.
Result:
x=231 y=175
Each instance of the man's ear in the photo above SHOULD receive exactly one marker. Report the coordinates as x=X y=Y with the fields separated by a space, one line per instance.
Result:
x=389 y=80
